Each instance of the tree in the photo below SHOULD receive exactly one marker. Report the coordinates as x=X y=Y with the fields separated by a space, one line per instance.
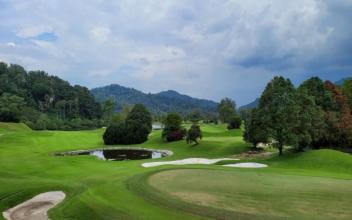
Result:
x=115 y=134
x=347 y=91
x=10 y=107
x=255 y=129
x=279 y=112
x=226 y=109
x=173 y=130
x=109 y=107
x=322 y=96
x=138 y=124
x=195 y=116
x=345 y=116
x=235 y=122
x=194 y=134
x=311 y=124
x=48 y=102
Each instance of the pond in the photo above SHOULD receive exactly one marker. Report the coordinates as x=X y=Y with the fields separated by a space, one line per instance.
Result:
x=121 y=153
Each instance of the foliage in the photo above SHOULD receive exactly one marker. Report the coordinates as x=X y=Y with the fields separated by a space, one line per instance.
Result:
x=134 y=130
x=347 y=90
x=345 y=116
x=173 y=130
x=316 y=114
x=255 y=129
x=195 y=116
x=115 y=134
x=311 y=126
x=10 y=107
x=50 y=99
x=194 y=134
x=279 y=111
x=109 y=106
x=235 y=122
x=226 y=110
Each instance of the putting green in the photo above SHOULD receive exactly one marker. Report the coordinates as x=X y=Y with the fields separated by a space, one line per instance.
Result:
x=227 y=194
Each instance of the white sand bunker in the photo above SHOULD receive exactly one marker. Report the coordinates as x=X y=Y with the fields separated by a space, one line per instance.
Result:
x=35 y=208
x=187 y=161
x=247 y=165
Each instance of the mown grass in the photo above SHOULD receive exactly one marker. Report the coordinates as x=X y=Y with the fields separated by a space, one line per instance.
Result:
x=253 y=195
x=119 y=190
x=95 y=188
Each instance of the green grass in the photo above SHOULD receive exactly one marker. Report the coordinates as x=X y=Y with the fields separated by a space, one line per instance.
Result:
x=121 y=190
x=253 y=195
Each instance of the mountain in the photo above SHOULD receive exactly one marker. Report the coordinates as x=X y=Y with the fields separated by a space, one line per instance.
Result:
x=162 y=102
x=251 y=105
x=341 y=81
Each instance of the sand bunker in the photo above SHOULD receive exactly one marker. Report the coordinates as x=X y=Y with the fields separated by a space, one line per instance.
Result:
x=247 y=165
x=35 y=208
x=186 y=161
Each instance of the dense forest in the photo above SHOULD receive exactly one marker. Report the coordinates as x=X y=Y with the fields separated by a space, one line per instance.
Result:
x=159 y=103
x=317 y=114
x=43 y=101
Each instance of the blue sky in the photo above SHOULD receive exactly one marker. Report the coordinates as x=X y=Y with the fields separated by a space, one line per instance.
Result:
x=204 y=48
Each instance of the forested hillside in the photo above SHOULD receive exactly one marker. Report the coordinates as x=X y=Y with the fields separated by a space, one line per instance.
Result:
x=43 y=101
x=168 y=101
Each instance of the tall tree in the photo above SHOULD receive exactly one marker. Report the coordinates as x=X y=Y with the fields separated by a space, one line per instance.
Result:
x=226 y=109
x=139 y=124
x=279 y=111
x=322 y=96
x=347 y=91
x=311 y=124
x=10 y=106
x=345 y=119
x=109 y=107
x=255 y=129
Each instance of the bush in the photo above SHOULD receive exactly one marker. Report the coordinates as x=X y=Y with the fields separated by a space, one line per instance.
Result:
x=172 y=128
x=115 y=134
x=134 y=130
x=193 y=134
x=176 y=135
x=234 y=123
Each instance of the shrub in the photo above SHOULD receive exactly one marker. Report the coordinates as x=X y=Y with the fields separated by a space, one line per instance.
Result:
x=172 y=128
x=134 y=130
x=176 y=135
x=115 y=134
x=234 y=123
x=193 y=134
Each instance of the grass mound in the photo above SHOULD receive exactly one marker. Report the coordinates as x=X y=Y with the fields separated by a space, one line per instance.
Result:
x=13 y=127
x=318 y=160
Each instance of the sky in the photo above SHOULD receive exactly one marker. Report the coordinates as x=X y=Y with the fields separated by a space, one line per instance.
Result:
x=204 y=48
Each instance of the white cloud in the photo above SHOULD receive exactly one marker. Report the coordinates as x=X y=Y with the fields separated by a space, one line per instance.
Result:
x=11 y=44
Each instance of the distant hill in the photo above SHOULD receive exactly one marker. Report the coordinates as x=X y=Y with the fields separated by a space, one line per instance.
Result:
x=341 y=81
x=162 y=102
x=251 y=105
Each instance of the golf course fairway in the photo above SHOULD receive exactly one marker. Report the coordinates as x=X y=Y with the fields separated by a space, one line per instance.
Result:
x=311 y=185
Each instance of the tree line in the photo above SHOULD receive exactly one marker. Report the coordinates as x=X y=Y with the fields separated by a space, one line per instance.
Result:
x=315 y=115
x=43 y=101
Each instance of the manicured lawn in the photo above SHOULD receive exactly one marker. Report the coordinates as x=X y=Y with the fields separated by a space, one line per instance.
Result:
x=232 y=194
x=122 y=190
